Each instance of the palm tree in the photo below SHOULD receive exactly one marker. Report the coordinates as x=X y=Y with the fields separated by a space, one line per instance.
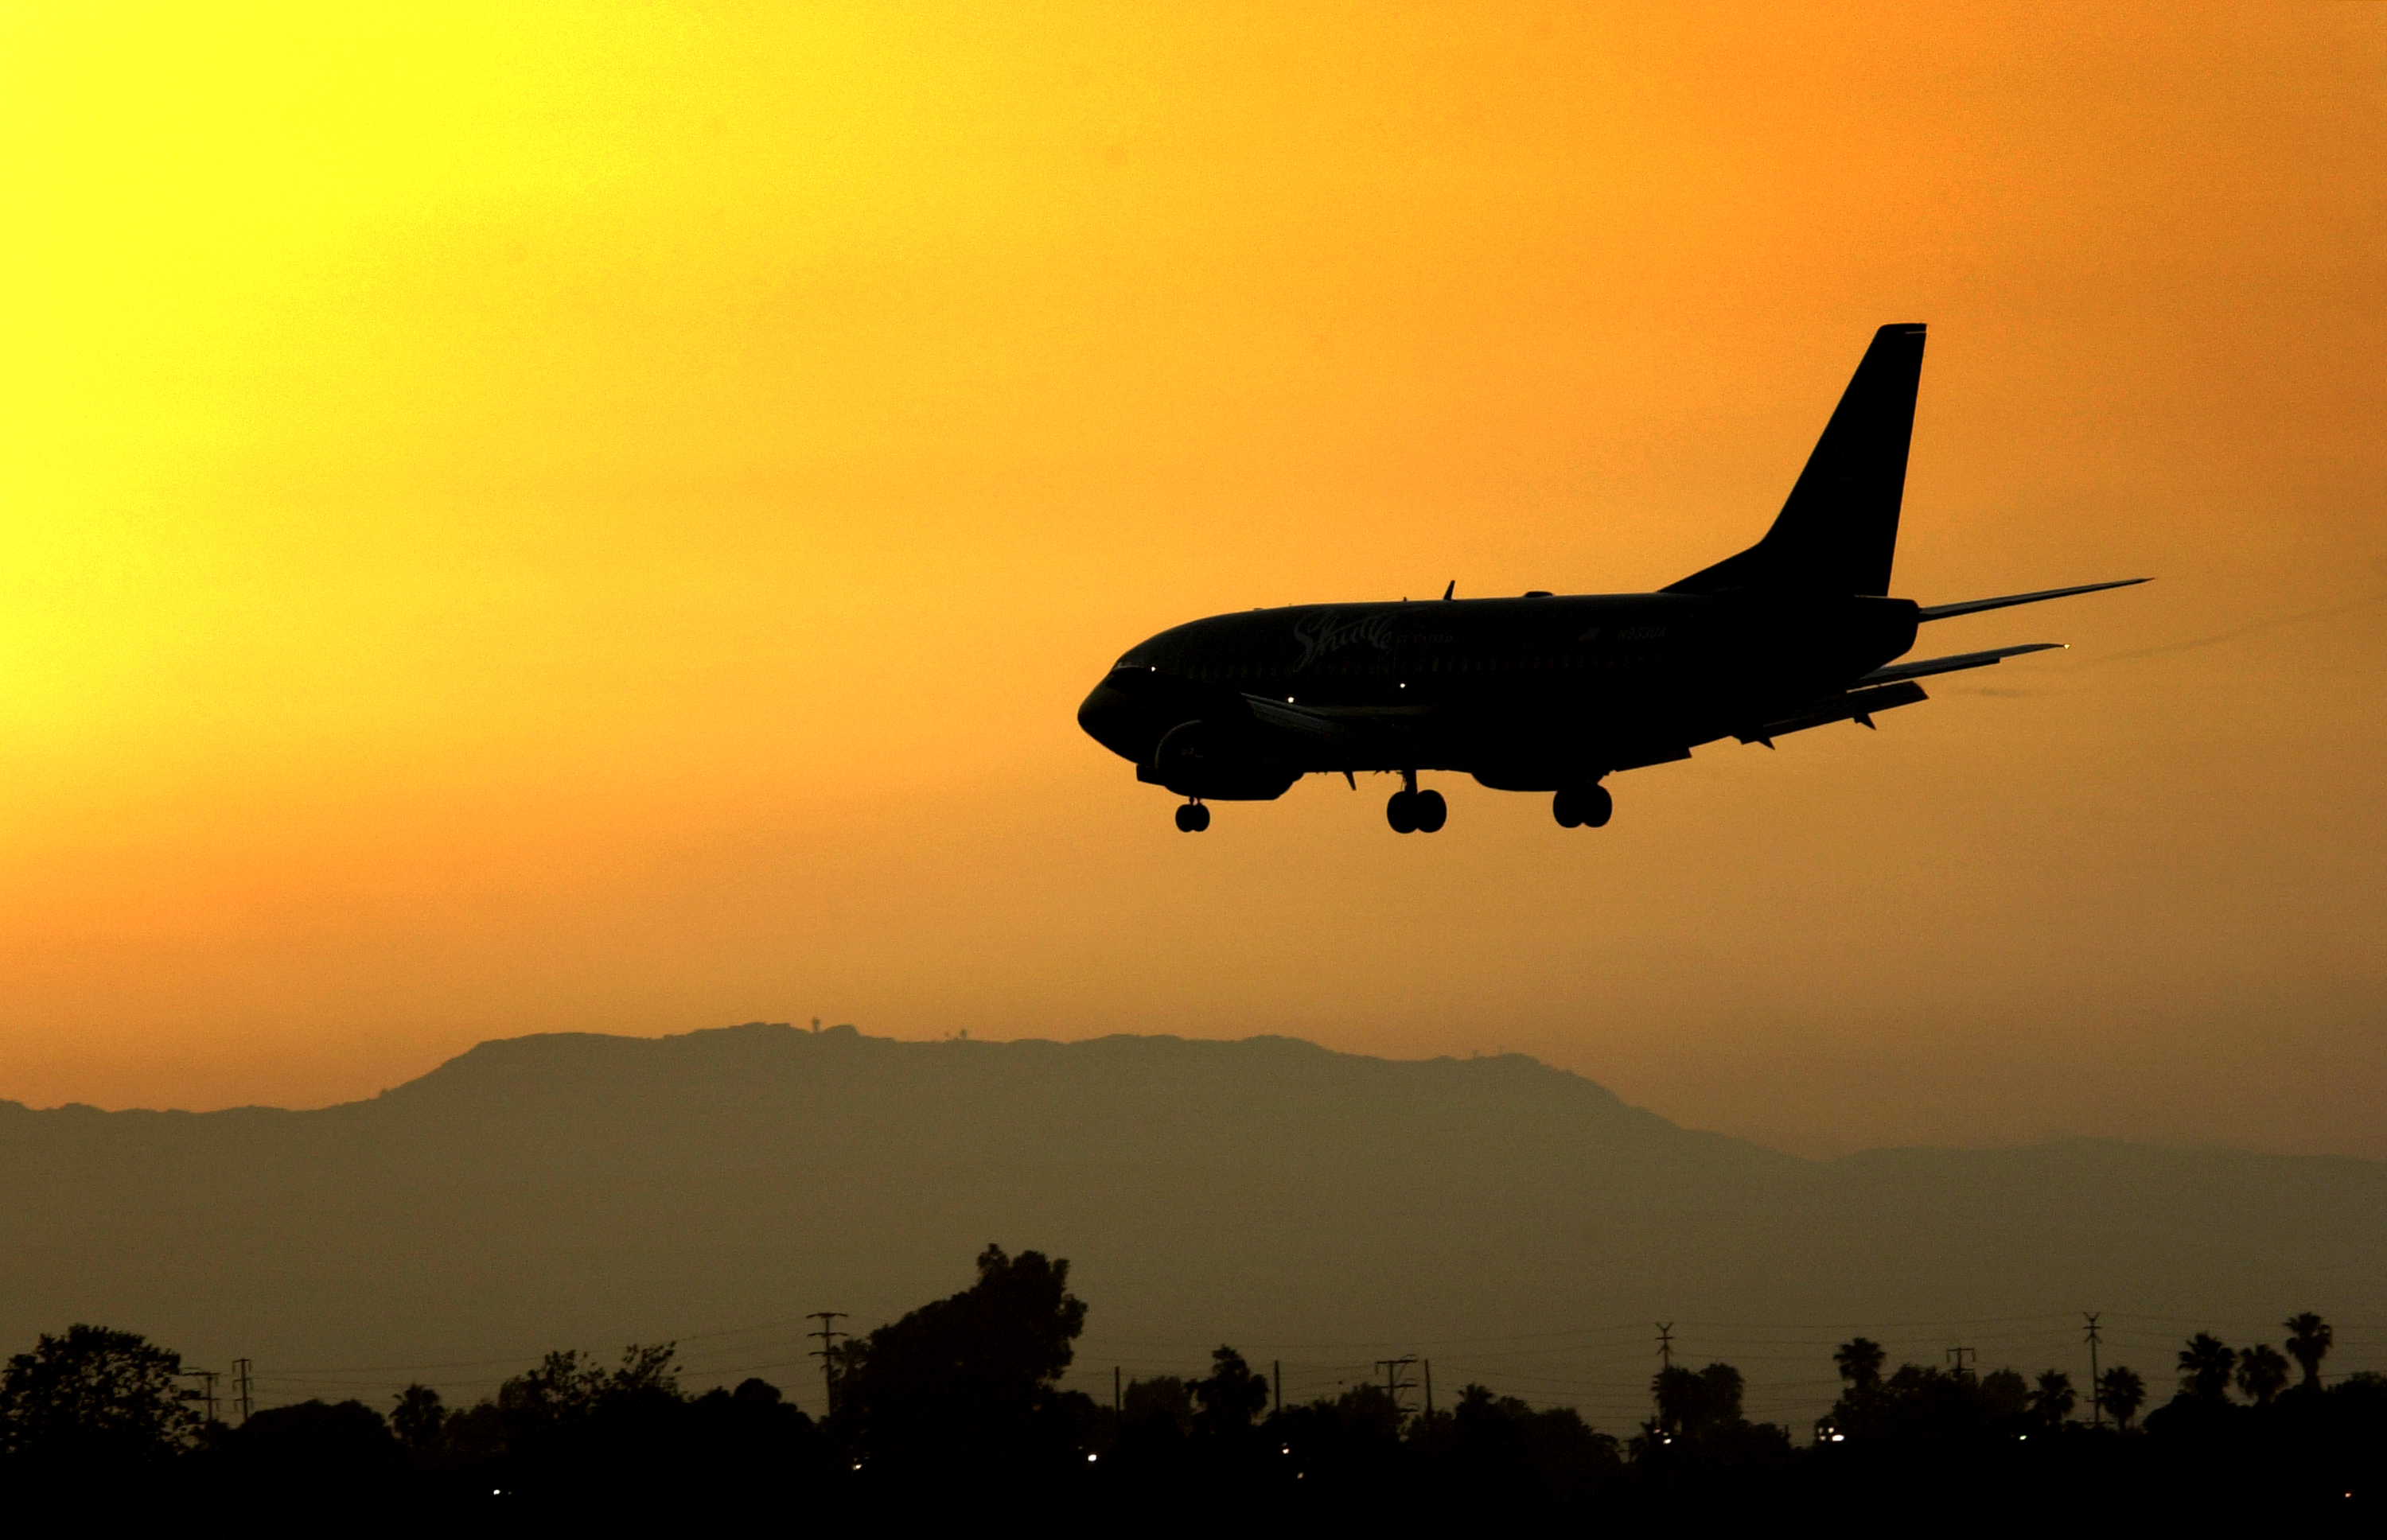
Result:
x=2262 y=1374
x=2308 y=1343
x=2205 y=1366
x=1860 y=1360
x=2055 y=1398
x=2121 y=1393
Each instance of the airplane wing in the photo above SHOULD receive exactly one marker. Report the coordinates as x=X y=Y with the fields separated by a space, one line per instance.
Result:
x=1849 y=705
x=1925 y=667
x=1312 y=725
x=1974 y=606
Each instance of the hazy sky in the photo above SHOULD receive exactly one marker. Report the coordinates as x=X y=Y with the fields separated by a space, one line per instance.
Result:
x=523 y=517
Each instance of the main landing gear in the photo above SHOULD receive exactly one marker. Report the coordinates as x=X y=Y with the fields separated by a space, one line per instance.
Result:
x=1583 y=806
x=1192 y=818
x=1415 y=812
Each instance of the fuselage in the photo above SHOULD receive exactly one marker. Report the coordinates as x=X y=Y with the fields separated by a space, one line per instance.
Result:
x=1525 y=694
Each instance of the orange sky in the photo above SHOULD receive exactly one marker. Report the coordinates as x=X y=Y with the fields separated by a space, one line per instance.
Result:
x=600 y=517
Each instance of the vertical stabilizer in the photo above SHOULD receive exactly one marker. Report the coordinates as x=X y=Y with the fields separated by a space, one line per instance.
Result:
x=1838 y=530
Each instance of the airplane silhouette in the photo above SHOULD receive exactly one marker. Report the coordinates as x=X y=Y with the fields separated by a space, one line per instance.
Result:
x=1554 y=694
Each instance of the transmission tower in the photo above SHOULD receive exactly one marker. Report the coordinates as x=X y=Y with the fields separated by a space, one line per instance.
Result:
x=826 y=1354
x=206 y=1390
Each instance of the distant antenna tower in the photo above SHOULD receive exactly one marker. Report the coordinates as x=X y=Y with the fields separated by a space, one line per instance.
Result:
x=2096 y=1406
x=1665 y=1345
x=244 y=1388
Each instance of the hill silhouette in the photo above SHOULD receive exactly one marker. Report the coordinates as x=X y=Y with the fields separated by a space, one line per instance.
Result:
x=715 y=1186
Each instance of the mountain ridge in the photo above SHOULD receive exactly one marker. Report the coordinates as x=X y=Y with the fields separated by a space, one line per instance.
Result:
x=572 y=1188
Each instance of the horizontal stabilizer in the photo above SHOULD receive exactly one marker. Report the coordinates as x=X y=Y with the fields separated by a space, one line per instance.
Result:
x=1950 y=664
x=1974 y=606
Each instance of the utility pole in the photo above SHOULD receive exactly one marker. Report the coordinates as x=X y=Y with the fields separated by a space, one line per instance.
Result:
x=2096 y=1406
x=1958 y=1354
x=1276 y=1378
x=244 y=1388
x=1394 y=1384
x=1428 y=1364
x=1665 y=1345
x=1117 y=1403
x=826 y=1354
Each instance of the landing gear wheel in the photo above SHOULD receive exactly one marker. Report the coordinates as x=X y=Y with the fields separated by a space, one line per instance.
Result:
x=1402 y=813
x=1583 y=807
x=1432 y=811
x=1192 y=818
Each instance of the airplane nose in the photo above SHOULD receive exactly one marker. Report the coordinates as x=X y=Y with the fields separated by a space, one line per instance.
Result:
x=1109 y=718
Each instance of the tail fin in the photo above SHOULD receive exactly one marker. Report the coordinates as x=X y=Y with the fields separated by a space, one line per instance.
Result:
x=1838 y=530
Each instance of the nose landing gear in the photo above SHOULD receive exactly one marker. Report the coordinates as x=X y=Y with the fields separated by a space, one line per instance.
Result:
x=1192 y=818
x=1414 y=811
x=1583 y=806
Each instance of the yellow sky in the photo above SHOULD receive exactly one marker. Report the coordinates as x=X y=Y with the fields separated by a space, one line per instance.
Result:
x=599 y=517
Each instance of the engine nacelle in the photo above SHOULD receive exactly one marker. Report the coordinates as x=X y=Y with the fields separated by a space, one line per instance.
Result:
x=1219 y=764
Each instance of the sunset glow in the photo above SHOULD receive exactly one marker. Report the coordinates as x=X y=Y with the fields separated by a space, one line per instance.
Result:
x=597 y=518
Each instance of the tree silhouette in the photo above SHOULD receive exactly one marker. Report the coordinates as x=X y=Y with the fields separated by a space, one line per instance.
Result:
x=566 y=1390
x=2309 y=1338
x=2121 y=1393
x=1692 y=1403
x=95 y=1397
x=2262 y=1374
x=2052 y=1399
x=2204 y=1367
x=315 y=1449
x=2003 y=1393
x=1230 y=1397
x=1860 y=1359
x=968 y=1384
x=418 y=1419
x=1164 y=1398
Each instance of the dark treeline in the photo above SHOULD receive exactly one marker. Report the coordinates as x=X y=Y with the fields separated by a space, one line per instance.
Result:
x=959 y=1405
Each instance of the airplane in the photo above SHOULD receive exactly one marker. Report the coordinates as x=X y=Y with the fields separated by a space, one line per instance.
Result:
x=1553 y=694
